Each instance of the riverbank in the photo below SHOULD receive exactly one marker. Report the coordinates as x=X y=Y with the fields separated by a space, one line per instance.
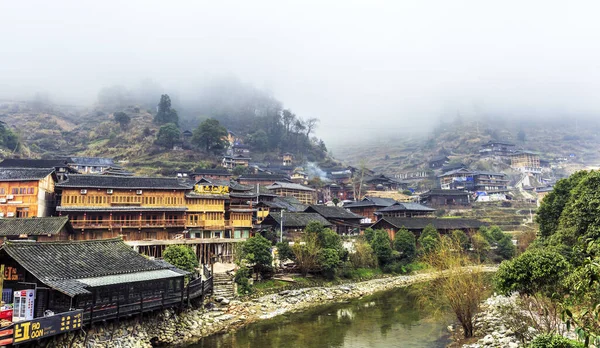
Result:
x=169 y=328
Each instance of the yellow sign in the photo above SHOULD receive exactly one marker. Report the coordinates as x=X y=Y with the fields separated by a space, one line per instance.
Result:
x=47 y=326
x=208 y=189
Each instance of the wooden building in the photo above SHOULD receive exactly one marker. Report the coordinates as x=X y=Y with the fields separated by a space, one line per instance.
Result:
x=405 y=209
x=61 y=166
x=457 y=179
x=205 y=215
x=211 y=174
x=105 y=279
x=304 y=194
x=342 y=220
x=91 y=165
x=491 y=182
x=368 y=206
x=526 y=161
x=27 y=192
x=416 y=225
x=445 y=198
x=497 y=148
x=262 y=179
x=438 y=162
x=382 y=182
x=293 y=223
x=41 y=229
x=287 y=159
x=232 y=161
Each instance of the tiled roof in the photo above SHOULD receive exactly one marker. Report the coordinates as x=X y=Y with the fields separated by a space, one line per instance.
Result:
x=289 y=203
x=33 y=163
x=263 y=177
x=61 y=264
x=211 y=172
x=126 y=182
x=420 y=223
x=332 y=212
x=405 y=207
x=440 y=192
x=290 y=186
x=93 y=161
x=33 y=226
x=120 y=208
x=457 y=171
x=24 y=174
x=296 y=220
x=371 y=202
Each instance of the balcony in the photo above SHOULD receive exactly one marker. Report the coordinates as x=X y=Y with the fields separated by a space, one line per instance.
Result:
x=83 y=224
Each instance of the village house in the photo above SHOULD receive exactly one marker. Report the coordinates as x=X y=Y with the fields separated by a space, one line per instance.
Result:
x=102 y=279
x=287 y=159
x=438 y=162
x=40 y=229
x=383 y=183
x=91 y=165
x=293 y=223
x=262 y=179
x=276 y=205
x=491 y=182
x=405 y=209
x=299 y=177
x=497 y=148
x=526 y=161
x=240 y=149
x=368 y=206
x=210 y=174
x=343 y=221
x=304 y=194
x=61 y=166
x=341 y=192
x=457 y=179
x=445 y=198
x=27 y=192
x=416 y=225
x=232 y=161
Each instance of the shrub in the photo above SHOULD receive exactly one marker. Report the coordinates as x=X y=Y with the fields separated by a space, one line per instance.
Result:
x=395 y=267
x=241 y=278
x=181 y=256
x=382 y=247
x=363 y=256
x=406 y=244
x=461 y=238
x=554 y=341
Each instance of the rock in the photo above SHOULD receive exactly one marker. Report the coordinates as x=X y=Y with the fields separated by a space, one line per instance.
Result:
x=225 y=301
x=284 y=292
x=513 y=345
x=219 y=299
x=488 y=340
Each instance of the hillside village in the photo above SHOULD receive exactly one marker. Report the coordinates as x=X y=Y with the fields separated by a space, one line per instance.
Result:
x=133 y=194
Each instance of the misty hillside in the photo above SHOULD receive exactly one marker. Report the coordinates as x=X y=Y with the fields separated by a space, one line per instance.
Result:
x=460 y=140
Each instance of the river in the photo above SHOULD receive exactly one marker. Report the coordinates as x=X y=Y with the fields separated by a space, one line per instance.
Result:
x=386 y=319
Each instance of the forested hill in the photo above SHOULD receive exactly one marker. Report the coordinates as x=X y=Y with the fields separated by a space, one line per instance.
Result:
x=461 y=140
x=146 y=130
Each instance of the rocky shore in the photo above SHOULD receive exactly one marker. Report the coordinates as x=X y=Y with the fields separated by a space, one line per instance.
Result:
x=170 y=328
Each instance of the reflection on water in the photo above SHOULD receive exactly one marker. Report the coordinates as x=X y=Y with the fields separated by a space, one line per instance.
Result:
x=389 y=319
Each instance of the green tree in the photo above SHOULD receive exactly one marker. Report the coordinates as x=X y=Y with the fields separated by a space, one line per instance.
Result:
x=480 y=245
x=496 y=233
x=165 y=113
x=239 y=170
x=534 y=271
x=506 y=248
x=257 y=253
x=328 y=261
x=8 y=138
x=285 y=252
x=259 y=140
x=181 y=256
x=382 y=247
x=552 y=206
x=369 y=234
x=122 y=119
x=405 y=243
x=429 y=238
x=461 y=238
x=554 y=341
x=168 y=135
x=210 y=135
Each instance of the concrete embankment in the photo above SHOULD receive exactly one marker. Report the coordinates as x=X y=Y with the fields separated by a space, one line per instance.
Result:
x=170 y=328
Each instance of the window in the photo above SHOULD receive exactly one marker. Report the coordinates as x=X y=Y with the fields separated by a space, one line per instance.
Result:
x=15 y=191
x=22 y=212
x=30 y=191
x=22 y=190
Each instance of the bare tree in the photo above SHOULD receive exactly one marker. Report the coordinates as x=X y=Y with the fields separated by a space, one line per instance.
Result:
x=311 y=125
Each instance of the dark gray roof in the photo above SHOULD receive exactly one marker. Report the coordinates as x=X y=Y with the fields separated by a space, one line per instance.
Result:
x=24 y=174
x=125 y=182
x=264 y=177
x=405 y=207
x=371 y=202
x=295 y=220
x=60 y=264
x=420 y=223
x=289 y=203
x=457 y=171
x=93 y=161
x=120 y=208
x=290 y=186
x=440 y=192
x=211 y=172
x=33 y=226
x=332 y=212
x=33 y=163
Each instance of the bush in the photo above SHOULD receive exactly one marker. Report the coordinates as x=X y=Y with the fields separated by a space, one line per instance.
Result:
x=554 y=341
x=461 y=239
x=405 y=243
x=395 y=267
x=506 y=248
x=363 y=256
x=181 y=256
x=284 y=252
x=382 y=247
x=429 y=238
x=241 y=278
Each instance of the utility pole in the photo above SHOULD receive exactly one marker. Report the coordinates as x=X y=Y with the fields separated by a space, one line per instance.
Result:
x=281 y=228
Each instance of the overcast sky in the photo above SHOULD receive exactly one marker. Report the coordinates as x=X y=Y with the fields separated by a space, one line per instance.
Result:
x=356 y=65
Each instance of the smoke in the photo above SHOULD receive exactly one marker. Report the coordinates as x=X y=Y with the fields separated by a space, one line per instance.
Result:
x=313 y=171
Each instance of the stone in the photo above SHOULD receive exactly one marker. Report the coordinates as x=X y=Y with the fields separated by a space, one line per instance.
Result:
x=225 y=301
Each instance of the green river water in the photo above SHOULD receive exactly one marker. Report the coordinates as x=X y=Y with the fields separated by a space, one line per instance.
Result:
x=387 y=319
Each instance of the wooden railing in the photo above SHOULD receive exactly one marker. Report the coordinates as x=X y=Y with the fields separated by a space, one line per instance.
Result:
x=127 y=223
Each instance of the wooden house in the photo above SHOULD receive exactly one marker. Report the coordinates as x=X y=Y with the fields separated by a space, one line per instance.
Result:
x=438 y=162
x=27 y=192
x=262 y=179
x=206 y=210
x=405 y=209
x=41 y=229
x=287 y=159
x=497 y=148
x=210 y=174
x=457 y=179
x=232 y=161
x=445 y=198
x=103 y=279
x=91 y=165
x=343 y=221
x=526 y=161
x=491 y=182
x=293 y=223
x=416 y=225
x=304 y=194
x=382 y=182
x=61 y=166
x=368 y=206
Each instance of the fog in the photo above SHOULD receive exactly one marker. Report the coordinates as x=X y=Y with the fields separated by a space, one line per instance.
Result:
x=361 y=67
